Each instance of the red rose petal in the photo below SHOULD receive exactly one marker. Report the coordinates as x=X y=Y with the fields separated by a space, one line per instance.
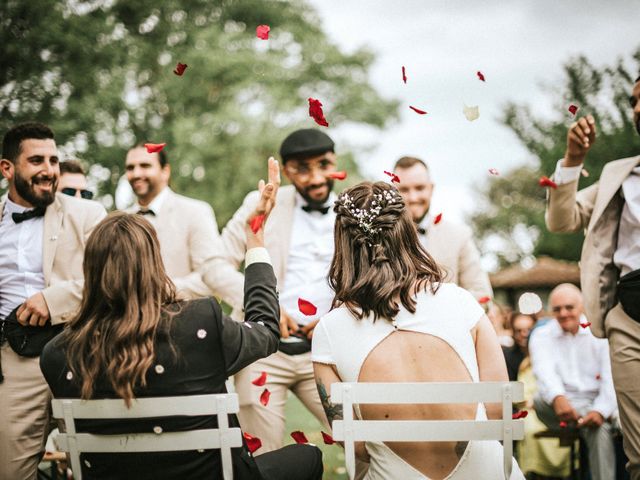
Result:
x=573 y=109
x=563 y=424
x=437 y=219
x=417 y=110
x=480 y=76
x=154 y=147
x=394 y=178
x=261 y=380
x=547 y=182
x=256 y=223
x=306 y=307
x=315 y=112
x=404 y=75
x=262 y=32
x=180 y=68
x=328 y=439
x=494 y=171
x=585 y=324
x=253 y=443
x=482 y=300
x=598 y=377
x=299 y=437
x=520 y=414
x=338 y=175
x=264 y=397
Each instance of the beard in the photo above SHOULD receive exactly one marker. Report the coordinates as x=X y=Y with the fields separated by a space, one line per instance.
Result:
x=25 y=189
x=313 y=202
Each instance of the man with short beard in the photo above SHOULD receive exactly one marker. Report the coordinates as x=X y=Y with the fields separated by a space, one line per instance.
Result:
x=186 y=228
x=609 y=214
x=299 y=238
x=42 y=238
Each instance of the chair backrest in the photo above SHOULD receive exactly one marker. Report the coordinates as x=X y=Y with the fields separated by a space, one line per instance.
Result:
x=350 y=430
x=223 y=437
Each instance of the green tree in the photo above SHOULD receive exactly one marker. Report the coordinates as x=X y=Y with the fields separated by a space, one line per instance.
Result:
x=100 y=73
x=514 y=203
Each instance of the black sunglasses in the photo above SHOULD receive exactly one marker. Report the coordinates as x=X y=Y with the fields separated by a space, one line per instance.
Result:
x=87 y=194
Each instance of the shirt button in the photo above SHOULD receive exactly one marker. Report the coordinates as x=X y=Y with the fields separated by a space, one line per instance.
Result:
x=157 y=430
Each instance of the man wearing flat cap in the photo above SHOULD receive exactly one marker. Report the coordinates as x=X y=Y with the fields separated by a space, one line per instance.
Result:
x=299 y=239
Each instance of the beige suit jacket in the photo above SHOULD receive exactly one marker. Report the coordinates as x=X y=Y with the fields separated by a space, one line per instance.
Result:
x=277 y=238
x=452 y=246
x=189 y=238
x=596 y=210
x=68 y=222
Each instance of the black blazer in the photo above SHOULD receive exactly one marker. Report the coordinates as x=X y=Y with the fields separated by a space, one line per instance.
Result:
x=195 y=355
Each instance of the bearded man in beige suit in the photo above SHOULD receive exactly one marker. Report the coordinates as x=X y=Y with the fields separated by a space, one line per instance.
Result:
x=450 y=244
x=299 y=238
x=186 y=228
x=609 y=214
x=42 y=239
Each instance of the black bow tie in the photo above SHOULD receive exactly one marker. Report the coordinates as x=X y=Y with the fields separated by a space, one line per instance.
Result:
x=313 y=208
x=146 y=212
x=28 y=214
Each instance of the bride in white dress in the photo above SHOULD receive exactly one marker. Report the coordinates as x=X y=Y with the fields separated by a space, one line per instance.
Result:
x=395 y=320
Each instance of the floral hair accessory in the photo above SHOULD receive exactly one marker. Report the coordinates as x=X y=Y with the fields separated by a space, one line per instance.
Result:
x=366 y=216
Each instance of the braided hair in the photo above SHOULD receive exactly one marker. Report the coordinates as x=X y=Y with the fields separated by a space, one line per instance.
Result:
x=378 y=260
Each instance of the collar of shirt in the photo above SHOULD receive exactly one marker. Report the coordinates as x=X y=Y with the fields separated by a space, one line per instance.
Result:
x=156 y=203
x=301 y=202
x=426 y=222
x=12 y=207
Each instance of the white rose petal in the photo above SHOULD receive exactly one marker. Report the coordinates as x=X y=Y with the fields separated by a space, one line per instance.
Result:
x=471 y=113
x=159 y=369
x=69 y=375
x=202 y=333
x=529 y=303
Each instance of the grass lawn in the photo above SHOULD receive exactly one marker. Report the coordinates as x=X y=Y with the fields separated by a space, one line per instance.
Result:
x=299 y=418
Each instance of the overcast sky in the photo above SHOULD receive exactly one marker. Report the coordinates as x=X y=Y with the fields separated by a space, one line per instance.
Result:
x=518 y=45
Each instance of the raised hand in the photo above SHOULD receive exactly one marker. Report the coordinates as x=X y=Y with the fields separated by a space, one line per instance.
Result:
x=266 y=203
x=580 y=137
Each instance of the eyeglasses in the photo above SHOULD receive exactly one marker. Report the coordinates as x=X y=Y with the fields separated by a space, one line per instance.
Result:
x=87 y=194
x=303 y=169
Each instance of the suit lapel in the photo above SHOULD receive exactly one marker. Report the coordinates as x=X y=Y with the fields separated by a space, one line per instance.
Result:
x=52 y=224
x=609 y=186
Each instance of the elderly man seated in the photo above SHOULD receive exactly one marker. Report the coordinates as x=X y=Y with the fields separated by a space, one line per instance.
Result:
x=573 y=373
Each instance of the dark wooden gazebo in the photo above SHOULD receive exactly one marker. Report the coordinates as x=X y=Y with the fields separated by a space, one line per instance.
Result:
x=508 y=284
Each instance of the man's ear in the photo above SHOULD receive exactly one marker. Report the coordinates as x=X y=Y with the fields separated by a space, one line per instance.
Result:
x=7 y=168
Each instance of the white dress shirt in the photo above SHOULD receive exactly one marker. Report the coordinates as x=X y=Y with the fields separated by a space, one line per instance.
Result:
x=576 y=366
x=21 y=274
x=627 y=254
x=155 y=206
x=310 y=254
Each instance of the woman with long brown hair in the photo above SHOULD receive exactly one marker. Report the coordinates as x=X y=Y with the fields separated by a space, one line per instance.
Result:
x=394 y=320
x=132 y=338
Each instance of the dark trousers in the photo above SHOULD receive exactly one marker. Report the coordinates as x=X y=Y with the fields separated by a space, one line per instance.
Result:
x=293 y=462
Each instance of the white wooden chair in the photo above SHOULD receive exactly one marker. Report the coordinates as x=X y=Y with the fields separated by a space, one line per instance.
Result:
x=350 y=430
x=223 y=437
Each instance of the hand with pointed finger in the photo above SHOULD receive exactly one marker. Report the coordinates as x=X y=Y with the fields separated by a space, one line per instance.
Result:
x=255 y=223
x=580 y=137
x=34 y=311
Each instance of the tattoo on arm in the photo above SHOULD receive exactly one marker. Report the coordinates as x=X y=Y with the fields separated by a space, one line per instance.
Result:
x=333 y=411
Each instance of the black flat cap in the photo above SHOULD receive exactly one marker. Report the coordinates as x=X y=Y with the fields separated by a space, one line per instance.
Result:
x=305 y=143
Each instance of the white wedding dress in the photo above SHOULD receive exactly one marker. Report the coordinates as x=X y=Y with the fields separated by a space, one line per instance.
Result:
x=342 y=340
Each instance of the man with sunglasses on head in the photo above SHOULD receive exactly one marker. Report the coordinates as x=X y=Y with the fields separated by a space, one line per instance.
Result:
x=42 y=240
x=73 y=181
x=299 y=238
x=608 y=212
